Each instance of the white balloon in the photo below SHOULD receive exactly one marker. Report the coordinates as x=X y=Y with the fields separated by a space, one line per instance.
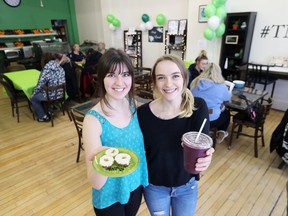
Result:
x=112 y=27
x=214 y=22
x=142 y=26
x=149 y=25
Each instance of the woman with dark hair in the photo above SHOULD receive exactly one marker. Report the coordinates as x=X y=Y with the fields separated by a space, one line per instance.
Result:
x=51 y=75
x=113 y=122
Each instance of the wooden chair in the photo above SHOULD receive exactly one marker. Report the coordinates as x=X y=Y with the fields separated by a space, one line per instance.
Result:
x=59 y=102
x=15 y=98
x=144 y=82
x=15 y=67
x=259 y=74
x=241 y=119
x=78 y=122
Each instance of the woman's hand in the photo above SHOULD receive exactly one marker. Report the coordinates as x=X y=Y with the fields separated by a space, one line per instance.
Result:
x=203 y=163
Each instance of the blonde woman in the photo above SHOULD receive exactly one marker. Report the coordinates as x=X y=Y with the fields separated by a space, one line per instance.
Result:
x=210 y=85
x=163 y=122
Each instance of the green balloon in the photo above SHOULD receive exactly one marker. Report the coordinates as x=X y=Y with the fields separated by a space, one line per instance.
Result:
x=116 y=22
x=210 y=10
x=209 y=34
x=110 y=18
x=220 y=30
x=221 y=12
x=217 y=3
x=145 y=18
x=160 y=19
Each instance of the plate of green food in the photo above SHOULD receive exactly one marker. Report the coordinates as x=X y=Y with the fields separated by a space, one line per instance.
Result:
x=115 y=162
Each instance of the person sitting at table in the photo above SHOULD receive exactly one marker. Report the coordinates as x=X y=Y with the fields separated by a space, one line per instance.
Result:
x=92 y=59
x=101 y=48
x=77 y=56
x=195 y=69
x=210 y=85
x=72 y=88
x=51 y=75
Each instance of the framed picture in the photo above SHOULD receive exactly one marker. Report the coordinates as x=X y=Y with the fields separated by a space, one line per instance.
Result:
x=156 y=34
x=182 y=26
x=231 y=39
x=201 y=14
x=173 y=26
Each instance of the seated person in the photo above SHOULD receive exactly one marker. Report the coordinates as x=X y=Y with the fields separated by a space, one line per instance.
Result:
x=195 y=69
x=210 y=85
x=77 y=56
x=92 y=60
x=101 y=48
x=72 y=88
x=52 y=74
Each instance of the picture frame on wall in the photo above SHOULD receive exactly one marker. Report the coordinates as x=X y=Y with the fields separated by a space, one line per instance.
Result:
x=201 y=14
x=155 y=35
x=173 y=26
x=231 y=39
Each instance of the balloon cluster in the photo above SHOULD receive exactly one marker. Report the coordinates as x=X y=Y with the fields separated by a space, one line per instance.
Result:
x=148 y=25
x=114 y=22
x=215 y=12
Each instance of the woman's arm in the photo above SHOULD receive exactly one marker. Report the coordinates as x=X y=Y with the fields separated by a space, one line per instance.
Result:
x=92 y=131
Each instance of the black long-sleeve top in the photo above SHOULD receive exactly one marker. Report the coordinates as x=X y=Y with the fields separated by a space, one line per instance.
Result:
x=162 y=139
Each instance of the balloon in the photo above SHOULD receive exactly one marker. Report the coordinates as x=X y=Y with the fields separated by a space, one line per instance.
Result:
x=142 y=26
x=110 y=18
x=116 y=22
x=149 y=25
x=210 y=10
x=112 y=27
x=209 y=34
x=160 y=19
x=218 y=3
x=213 y=22
x=145 y=18
x=221 y=12
x=220 y=30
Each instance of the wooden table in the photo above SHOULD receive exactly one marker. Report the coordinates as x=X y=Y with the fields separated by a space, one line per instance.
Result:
x=24 y=80
x=239 y=104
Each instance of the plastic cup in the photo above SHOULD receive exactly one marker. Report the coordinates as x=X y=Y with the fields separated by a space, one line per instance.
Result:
x=194 y=150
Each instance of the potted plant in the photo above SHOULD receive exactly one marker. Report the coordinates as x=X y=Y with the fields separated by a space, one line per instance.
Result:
x=235 y=25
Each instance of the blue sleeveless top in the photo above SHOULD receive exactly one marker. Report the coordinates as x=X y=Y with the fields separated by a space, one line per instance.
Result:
x=118 y=189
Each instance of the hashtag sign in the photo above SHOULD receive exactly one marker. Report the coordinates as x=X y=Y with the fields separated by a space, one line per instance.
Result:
x=265 y=31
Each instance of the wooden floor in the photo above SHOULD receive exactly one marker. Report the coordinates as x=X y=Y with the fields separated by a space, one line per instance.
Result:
x=40 y=176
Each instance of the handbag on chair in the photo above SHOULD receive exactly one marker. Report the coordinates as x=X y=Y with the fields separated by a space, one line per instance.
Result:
x=253 y=108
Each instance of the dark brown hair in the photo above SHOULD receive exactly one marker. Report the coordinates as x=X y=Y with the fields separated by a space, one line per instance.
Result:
x=107 y=64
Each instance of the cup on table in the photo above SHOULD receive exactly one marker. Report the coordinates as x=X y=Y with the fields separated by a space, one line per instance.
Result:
x=194 y=150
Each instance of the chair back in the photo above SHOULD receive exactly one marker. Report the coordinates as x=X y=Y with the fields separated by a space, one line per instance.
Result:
x=257 y=73
x=265 y=109
x=9 y=90
x=78 y=121
x=55 y=94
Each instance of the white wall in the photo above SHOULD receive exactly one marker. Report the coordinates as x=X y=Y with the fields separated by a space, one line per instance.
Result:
x=92 y=25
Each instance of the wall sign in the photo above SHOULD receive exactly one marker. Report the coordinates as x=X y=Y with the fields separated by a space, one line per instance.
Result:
x=156 y=34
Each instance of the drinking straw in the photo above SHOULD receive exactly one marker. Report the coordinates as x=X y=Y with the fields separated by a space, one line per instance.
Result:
x=201 y=128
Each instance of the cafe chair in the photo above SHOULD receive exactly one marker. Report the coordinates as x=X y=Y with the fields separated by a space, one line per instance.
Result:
x=78 y=122
x=144 y=94
x=51 y=103
x=15 y=67
x=15 y=98
x=259 y=74
x=241 y=119
x=143 y=81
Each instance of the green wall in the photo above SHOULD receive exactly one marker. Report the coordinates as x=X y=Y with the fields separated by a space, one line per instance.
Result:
x=30 y=15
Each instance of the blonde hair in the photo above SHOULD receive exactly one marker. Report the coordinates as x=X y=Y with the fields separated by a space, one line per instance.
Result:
x=202 y=56
x=212 y=72
x=187 y=103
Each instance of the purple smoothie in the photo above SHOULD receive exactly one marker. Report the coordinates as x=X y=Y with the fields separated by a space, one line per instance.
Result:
x=194 y=150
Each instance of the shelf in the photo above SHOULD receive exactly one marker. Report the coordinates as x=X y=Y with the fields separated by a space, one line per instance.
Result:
x=28 y=35
x=14 y=48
